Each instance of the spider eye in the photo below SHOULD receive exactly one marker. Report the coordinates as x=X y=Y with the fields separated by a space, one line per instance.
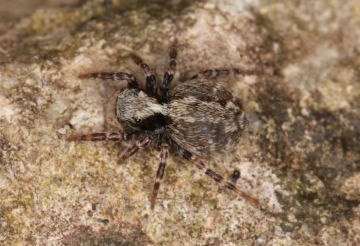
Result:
x=137 y=120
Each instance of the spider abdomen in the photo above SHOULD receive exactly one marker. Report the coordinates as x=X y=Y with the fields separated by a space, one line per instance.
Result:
x=205 y=118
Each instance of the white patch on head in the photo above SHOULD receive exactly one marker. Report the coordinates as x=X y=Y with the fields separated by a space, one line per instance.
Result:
x=150 y=104
x=142 y=94
x=155 y=107
x=136 y=105
x=149 y=107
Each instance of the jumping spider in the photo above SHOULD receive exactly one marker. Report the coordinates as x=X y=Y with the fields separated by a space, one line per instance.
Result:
x=197 y=118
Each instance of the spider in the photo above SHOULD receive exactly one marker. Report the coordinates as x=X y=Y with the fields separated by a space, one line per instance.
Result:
x=198 y=117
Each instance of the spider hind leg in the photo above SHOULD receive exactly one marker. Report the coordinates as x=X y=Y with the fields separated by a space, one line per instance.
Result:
x=215 y=176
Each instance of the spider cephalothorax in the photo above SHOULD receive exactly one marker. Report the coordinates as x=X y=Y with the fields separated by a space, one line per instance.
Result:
x=197 y=118
x=139 y=112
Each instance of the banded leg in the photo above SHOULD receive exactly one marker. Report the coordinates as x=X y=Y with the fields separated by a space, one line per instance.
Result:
x=212 y=73
x=149 y=74
x=99 y=136
x=218 y=178
x=169 y=74
x=132 y=82
x=141 y=143
x=164 y=148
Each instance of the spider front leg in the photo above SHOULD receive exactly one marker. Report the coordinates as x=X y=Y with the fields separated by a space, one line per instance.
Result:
x=132 y=82
x=217 y=177
x=99 y=136
x=164 y=148
x=149 y=74
x=212 y=73
x=168 y=75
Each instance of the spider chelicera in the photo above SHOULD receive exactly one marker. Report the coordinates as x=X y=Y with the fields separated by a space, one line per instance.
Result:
x=198 y=117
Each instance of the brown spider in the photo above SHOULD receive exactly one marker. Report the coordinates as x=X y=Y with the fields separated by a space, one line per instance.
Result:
x=197 y=118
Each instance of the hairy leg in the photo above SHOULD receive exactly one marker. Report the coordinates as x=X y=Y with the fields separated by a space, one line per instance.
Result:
x=168 y=75
x=132 y=82
x=149 y=74
x=217 y=177
x=99 y=136
x=141 y=143
x=164 y=148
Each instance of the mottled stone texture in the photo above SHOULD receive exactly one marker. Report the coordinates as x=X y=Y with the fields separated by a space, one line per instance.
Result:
x=300 y=157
